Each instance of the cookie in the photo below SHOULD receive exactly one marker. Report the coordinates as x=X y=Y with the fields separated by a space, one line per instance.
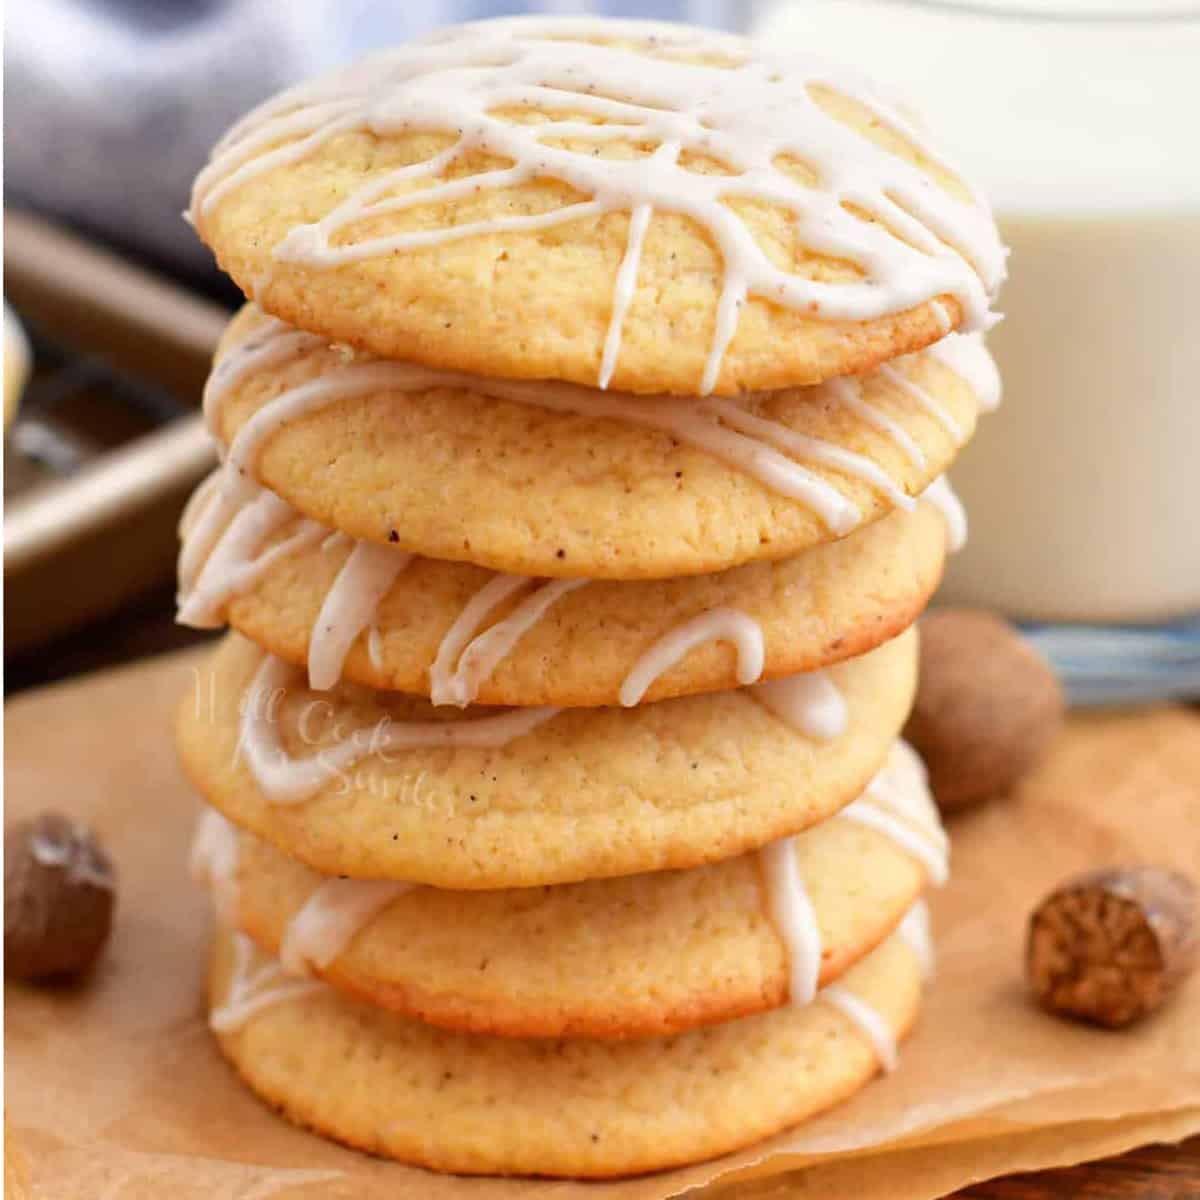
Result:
x=652 y=207
x=380 y=785
x=471 y=1104
x=559 y=481
x=462 y=634
x=635 y=956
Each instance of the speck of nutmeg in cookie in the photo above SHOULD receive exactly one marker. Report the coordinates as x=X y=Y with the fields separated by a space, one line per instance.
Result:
x=59 y=893
x=1110 y=946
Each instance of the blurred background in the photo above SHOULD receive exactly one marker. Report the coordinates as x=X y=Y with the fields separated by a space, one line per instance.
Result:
x=1076 y=116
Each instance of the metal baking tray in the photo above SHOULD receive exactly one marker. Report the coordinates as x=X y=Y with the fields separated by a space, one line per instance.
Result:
x=107 y=442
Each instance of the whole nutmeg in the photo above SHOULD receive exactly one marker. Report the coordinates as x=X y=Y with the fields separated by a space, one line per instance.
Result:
x=987 y=706
x=59 y=890
x=1111 y=946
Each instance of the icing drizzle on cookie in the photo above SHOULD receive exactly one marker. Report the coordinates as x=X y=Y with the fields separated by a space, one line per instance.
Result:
x=792 y=914
x=944 y=498
x=965 y=355
x=688 y=93
x=349 y=607
x=848 y=392
x=238 y=556
x=329 y=920
x=285 y=779
x=897 y=804
x=466 y=658
x=237 y=553
x=232 y=517
x=321 y=929
x=256 y=983
x=213 y=860
x=869 y=1022
x=809 y=702
x=813 y=705
x=718 y=624
x=899 y=797
x=916 y=932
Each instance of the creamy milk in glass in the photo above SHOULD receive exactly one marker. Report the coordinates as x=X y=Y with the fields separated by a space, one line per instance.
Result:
x=1082 y=123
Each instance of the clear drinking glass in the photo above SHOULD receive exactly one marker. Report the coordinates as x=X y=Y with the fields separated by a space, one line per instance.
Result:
x=1080 y=122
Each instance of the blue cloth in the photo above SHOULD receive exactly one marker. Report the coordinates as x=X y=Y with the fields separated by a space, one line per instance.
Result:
x=1123 y=664
x=112 y=105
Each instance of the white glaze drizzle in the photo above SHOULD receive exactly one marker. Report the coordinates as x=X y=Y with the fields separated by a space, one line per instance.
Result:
x=349 y=607
x=900 y=786
x=792 y=914
x=916 y=932
x=809 y=702
x=849 y=393
x=897 y=804
x=236 y=492
x=447 y=682
x=235 y=560
x=943 y=497
x=868 y=1021
x=806 y=447
x=375 y=647
x=749 y=112
x=718 y=624
x=934 y=408
x=477 y=655
x=234 y=516
x=626 y=281
x=256 y=983
x=266 y=347
x=213 y=860
x=966 y=355
x=331 y=918
x=199 y=500
x=287 y=780
x=700 y=424
x=368 y=574
x=795 y=921
x=928 y=851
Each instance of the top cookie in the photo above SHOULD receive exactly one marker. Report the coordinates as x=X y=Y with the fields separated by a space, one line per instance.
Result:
x=655 y=207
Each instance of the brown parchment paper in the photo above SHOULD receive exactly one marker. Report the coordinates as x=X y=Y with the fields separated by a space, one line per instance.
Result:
x=116 y=1092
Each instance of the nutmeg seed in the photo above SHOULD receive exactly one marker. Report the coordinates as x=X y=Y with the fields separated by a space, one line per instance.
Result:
x=58 y=898
x=1110 y=946
x=987 y=706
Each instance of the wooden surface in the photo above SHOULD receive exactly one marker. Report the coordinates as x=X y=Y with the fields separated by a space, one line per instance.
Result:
x=1150 y=1173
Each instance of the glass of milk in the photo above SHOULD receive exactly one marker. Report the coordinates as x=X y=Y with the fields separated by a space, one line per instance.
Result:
x=1081 y=121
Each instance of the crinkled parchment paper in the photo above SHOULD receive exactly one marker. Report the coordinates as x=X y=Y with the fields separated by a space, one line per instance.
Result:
x=115 y=1090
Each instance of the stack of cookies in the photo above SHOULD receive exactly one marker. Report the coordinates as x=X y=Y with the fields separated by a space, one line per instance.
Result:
x=582 y=452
